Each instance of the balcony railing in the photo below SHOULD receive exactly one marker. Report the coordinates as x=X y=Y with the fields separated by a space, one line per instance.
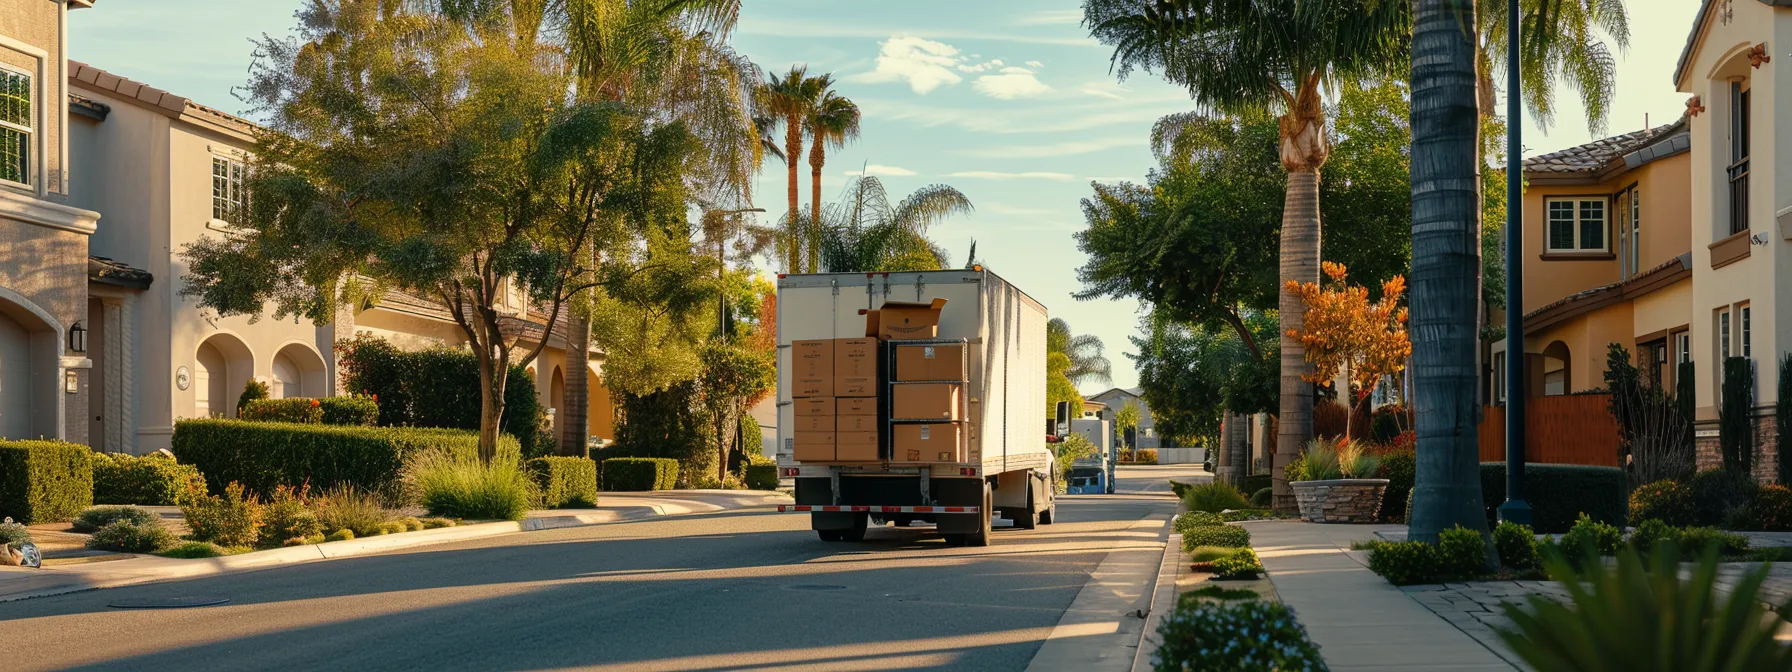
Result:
x=1739 y=197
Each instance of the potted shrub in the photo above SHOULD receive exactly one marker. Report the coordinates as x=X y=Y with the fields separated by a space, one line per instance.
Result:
x=1328 y=484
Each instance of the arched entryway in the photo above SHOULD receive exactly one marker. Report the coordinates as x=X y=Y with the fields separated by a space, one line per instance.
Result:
x=221 y=368
x=30 y=351
x=298 y=372
x=1556 y=361
x=556 y=397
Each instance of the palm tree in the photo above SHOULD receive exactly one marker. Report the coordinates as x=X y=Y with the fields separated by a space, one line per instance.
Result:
x=1238 y=58
x=1446 y=266
x=790 y=100
x=833 y=121
x=1087 y=363
x=863 y=233
x=1570 y=51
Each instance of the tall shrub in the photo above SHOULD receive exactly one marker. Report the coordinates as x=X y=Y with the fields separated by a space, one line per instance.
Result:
x=264 y=455
x=1782 y=418
x=44 y=481
x=1653 y=430
x=665 y=424
x=436 y=387
x=1736 y=433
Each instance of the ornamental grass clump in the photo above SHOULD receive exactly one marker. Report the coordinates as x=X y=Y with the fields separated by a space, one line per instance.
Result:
x=459 y=487
x=360 y=512
x=1242 y=635
x=1643 y=614
x=1214 y=497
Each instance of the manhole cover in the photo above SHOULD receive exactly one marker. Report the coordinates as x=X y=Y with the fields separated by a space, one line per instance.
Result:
x=168 y=602
x=815 y=586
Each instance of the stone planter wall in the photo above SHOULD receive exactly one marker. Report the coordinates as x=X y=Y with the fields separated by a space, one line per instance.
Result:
x=1349 y=500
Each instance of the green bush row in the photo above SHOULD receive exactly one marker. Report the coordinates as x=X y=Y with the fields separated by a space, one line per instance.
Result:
x=151 y=480
x=266 y=455
x=1559 y=494
x=565 y=482
x=438 y=387
x=762 y=476
x=44 y=481
x=638 y=474
x=353 y=410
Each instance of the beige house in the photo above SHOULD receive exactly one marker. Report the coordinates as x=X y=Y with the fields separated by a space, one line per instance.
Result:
x=172 y=172
x=45 y=381
x=1735 y=68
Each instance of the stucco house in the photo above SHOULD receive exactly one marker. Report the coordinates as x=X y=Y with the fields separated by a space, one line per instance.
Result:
x=1117 y=398
x=45 y=373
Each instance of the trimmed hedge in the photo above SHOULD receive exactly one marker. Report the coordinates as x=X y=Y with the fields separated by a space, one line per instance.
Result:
x=566 y=482
x=762 y=476
x=1559 y=493
x=304 y=410
x=152 y=480
x=264 y=455
x=1254 y=482
x=437 y=387
x=635 y=474
x=44 y=481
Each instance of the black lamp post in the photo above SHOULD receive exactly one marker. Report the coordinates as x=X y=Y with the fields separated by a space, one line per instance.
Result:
x=1514 y=509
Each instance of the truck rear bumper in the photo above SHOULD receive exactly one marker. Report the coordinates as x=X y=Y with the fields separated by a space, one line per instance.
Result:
x=953 y=504
x=801 y=508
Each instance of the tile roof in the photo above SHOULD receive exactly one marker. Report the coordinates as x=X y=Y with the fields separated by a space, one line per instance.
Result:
x=108 y=272
x=1698 y=26
x=1596 y=154
x=161 y=101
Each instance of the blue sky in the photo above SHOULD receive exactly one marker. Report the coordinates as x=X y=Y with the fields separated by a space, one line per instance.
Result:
x=1007 y=100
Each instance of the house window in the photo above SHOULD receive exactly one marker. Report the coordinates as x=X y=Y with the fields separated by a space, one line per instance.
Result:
x=1746 y=350
x=229 y=197
x=1576 y=225
x=1636 y=232
x=15 y=127
x=1499 y=378
x=1685 y=340
x=1739 y=152
x=1723 y=335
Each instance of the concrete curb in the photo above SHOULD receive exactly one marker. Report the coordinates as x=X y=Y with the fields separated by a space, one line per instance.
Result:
x=149 y=569
x=1163 y=602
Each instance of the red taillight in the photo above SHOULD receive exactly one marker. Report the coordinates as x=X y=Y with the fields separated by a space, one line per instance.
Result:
x=967 y=471
x=781 y=275
x=790 y=471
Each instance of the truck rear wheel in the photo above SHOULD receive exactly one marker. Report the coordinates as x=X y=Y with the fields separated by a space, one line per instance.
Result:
x=981 y=536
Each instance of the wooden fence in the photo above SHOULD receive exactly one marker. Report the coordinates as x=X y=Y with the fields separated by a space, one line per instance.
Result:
x=1572 y=429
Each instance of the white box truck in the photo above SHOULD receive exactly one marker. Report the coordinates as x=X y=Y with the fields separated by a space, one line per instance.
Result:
x=1001 y=464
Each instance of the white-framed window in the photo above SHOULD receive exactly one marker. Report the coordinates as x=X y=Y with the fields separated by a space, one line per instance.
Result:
x=1747 y=350
x=16 y=128
x=1575 y=225
x=1685 y=345
x=1723 y=335
x=1636 y=232
x=230 y=197
x=1499 y=378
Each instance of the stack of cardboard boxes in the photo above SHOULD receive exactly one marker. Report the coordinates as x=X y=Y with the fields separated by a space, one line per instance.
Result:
x=837 y=392
x=836 y=399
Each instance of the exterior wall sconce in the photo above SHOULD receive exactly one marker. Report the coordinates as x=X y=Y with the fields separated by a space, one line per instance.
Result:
x=77 y=337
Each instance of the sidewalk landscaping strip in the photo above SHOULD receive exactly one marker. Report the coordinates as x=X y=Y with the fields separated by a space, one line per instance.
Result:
x=126 y=569
x=1359 y=621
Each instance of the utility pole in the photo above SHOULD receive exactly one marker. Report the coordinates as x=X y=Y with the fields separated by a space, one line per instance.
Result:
x=720 y=231
x=1514 y=509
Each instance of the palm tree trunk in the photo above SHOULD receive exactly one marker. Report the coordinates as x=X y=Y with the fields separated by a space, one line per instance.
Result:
x=1446 y=268
x=1299 y=263
x=793 y=150
x=574 y=423
x=818 y=156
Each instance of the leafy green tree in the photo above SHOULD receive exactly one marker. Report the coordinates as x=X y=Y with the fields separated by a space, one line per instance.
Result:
x=1127 y=418
x=1252 y=57
x=1191 y=376
x=864 y=233
x=403 y=152
x=1084 y=353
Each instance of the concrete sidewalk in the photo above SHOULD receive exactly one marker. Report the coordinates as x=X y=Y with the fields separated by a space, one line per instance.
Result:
x=18 y=583
x=1358 y=619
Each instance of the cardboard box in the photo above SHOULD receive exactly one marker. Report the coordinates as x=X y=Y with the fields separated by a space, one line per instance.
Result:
x=925 y=401
x=930 y=362
x=933 y=442
x=900 y=320
x=852 y=423
x=814 y=406
x=816 y=423
x=812 y=368
x=814 y=447
x=855 y=367
x=856 y=446
x=855 y=406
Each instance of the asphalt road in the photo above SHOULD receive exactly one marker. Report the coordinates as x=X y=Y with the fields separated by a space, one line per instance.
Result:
x=749 y=589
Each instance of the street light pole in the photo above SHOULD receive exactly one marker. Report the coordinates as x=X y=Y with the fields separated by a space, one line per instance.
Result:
x=722 y=263
x=1514 y=509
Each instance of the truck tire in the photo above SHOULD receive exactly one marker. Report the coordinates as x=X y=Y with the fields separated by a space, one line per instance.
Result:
x=1027 y=518
x=860 y=523
x=829 y=535
x=981 y=536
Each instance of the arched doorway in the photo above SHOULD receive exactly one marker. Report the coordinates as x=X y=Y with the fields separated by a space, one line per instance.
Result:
x=30 y=387
x=298 y=372
x=556 y=397
x=1556 y=360
x=221 y=368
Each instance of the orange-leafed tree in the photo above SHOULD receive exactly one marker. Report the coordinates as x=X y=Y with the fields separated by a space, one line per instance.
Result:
x=1344 y=330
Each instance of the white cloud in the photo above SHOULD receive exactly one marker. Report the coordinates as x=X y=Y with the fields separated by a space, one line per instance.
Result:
x=882 y=171
x=1067 y=148
x=993 y=175
x=981 y=67
x=1053 y=17
x=924 y=64
x=1035 y=64
x=809 y=30
x=1012 y=83
x=1105 y=89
